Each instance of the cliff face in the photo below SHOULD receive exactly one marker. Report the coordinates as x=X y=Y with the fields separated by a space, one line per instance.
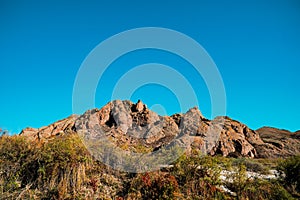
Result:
x=134 y=125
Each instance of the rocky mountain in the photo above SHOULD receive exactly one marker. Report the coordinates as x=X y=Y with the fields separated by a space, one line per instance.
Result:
x=133 y=127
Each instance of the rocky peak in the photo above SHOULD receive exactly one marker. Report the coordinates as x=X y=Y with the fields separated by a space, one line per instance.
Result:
x=132 y=124
x=139 y=106
x=125 y=114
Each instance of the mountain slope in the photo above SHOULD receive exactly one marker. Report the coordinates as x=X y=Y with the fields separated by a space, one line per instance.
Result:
x=278 y=143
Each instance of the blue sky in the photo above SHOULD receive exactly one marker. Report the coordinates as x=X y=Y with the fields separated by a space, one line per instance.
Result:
x=255 y=45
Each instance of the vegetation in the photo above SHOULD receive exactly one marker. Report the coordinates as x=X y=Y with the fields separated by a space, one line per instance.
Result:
x=154 y=185
x=290 y=174
x=62 y=168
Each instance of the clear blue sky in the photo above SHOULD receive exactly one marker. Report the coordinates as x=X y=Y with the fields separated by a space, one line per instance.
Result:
x=254 y=43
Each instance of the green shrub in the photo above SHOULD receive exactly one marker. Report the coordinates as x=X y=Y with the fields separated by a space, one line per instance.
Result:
x=251 y=165
x=261 y=189
x=289 y=170
x=199 y=176
x=14 y=153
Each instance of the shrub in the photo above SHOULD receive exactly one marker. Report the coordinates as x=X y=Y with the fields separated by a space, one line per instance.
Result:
x=254 y=189
x=61 y=165
x=155 y=185
x=14 y=153
x=289 y=170
x=251 y=165
x=55 y=168
x=199 y=177
x=261 y=189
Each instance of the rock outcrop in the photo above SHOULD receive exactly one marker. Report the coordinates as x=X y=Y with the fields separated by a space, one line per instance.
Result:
x=57 y=128
x=131 y=126
x=278 y=143
x=236 y=139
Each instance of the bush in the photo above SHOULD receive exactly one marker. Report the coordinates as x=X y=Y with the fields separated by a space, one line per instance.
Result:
x=289 y=170
x=14 y=153
x=58 y=165
x=261 y=189
x=251 y=165
x=155 y=185
x=199 y=176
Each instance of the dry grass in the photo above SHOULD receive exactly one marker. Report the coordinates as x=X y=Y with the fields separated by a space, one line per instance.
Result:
x=62 y=168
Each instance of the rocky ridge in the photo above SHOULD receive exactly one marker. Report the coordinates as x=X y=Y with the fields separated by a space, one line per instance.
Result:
x=278 y=142
x=131 y=125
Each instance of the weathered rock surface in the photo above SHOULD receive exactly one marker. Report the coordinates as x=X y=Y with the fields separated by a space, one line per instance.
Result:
x=131 y=125
x=278 y=143
x=236 y=139
x=127 y=121
x=58 y=128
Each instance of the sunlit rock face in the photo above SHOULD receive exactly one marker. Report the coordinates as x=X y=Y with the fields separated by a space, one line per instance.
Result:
x=125 y=122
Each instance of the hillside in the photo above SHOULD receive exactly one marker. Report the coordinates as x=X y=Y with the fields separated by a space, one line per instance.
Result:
x=126 y=151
